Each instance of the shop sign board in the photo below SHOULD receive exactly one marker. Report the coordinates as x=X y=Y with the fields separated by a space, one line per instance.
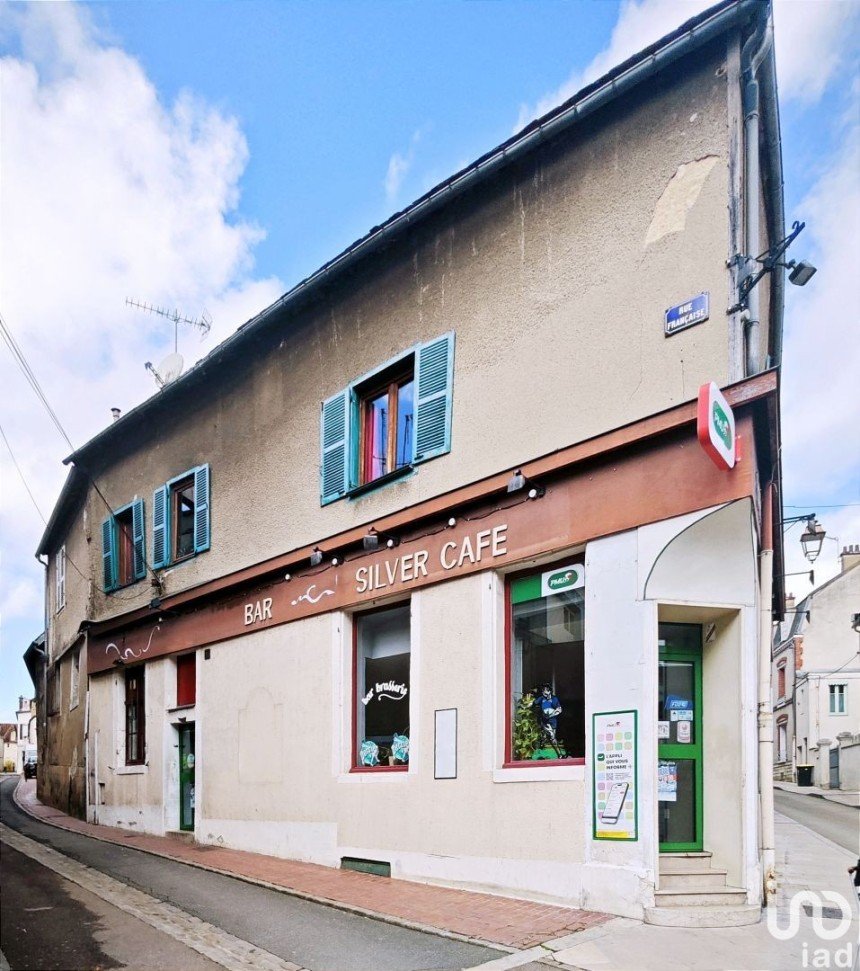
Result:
x=687 y=314
x=561 y=579
x=615 y=795
x=715 y=426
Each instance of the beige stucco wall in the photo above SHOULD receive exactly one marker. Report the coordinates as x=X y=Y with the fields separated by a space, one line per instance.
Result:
x=555 y=283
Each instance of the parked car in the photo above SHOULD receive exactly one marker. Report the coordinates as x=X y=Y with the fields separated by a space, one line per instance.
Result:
x=30 y=769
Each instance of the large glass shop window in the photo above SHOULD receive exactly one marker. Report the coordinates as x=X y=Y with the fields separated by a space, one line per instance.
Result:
x=547 y=666
x=382 y=660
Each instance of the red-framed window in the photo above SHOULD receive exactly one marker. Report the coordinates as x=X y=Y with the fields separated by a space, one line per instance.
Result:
x=381 y=675
x=135 y=716
x=186 y=680
x=545 y=666
x=780 y=681
x=387 y=419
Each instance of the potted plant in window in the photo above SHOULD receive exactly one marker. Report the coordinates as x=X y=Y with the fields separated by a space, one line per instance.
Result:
x=526 y=729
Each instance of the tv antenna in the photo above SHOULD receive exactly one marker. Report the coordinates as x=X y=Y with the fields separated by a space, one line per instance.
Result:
x=203 y=323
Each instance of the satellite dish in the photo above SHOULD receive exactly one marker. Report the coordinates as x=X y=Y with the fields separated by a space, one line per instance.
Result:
x=170 y=368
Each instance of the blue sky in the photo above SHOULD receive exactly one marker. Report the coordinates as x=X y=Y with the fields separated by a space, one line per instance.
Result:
x=239 y=145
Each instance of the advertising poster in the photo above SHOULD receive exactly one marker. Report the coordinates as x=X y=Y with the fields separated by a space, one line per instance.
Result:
x=614 y=775
x=667 y=781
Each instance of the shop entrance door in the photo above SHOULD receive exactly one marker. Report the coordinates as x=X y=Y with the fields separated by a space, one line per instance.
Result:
x=679 y=738
x=186 y=777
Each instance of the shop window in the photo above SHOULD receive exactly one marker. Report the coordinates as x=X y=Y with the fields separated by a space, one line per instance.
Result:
x=186 y=680
x=388 y=421
x=123 y=549
x=382 y=657
x=135 y=716
x=545 y=669
x=60 y=577
x=837 y=699
x=180 y=518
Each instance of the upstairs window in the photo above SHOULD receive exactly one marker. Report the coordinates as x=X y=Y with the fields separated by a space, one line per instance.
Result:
x=135 y=716
x=74 y=690
x=123 y=547
x=180 y=518
x=780 y=681
x=837 y=699
x=60 y=570
x=388 y=421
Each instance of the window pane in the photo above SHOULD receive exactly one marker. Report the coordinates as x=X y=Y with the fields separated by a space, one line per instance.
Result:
x=125 y=543
x=548 y=678
x=185 y=520
x=405 y=423
x=382 y=687
x=676 y=686
x=376 y=437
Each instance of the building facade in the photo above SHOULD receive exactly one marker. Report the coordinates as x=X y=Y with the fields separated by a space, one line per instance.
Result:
x=816 y=683
x=27 y=722
x=425 y=568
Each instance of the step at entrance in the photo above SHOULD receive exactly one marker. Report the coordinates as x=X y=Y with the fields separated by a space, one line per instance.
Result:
x=694 y=893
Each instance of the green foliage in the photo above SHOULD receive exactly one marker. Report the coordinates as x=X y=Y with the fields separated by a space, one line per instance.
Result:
x=526 y=729
x=8 y=766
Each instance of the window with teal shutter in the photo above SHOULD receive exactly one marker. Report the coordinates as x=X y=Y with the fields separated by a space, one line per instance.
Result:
x=108 y=559
x=159 y=528
x=138 y=539
x=335 y=422
x=434 y=366
x=387 y=421
x=201 y=509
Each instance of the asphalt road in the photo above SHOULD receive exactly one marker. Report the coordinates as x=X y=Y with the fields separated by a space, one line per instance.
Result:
x=838 y=823
x=48 y=922
x=312 y=935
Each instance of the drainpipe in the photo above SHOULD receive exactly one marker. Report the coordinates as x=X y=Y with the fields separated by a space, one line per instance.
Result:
x=765 y=709
x=752 y=55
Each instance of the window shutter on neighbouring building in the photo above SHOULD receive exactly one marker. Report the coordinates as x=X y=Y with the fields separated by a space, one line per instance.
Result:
x=434 y=378
x=201 y=508
x=108 y=555
x=335 y=422
x=139 y=539
x=159 y=528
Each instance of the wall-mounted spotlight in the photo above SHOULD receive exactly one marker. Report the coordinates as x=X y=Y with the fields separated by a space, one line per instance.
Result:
x=373 y=539
x=316 y=556
x=288 y=577
x=519 y=481
x=452 y=522
x=801 y=270
x=335 y=561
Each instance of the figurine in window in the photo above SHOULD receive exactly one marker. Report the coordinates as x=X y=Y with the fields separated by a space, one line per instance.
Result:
x=548 y=708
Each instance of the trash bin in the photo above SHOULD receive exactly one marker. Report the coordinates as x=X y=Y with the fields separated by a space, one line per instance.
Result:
x=804 y=775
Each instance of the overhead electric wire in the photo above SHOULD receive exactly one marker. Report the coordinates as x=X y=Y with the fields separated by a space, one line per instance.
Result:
x=21 y=475
x=32 y=380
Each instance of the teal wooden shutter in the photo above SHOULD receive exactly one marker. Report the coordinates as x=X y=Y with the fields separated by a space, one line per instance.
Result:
x=108 y=554
x=434 y=373
x=201 y=508
x=160 y=551
x=137 y=535
x=335 y=422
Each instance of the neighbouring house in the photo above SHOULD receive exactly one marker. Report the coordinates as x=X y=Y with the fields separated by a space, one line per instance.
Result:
x=27 y=723
x=816 y=682
x=9 y=734
x=443 y=564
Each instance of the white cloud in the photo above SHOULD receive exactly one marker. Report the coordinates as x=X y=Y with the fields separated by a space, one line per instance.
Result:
x=811 y=36
x=399 y=165
x=108 y=192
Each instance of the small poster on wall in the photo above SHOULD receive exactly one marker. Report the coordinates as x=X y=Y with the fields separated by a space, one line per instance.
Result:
x=615 y=796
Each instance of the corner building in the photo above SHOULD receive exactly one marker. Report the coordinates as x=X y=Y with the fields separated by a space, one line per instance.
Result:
x=424 y=569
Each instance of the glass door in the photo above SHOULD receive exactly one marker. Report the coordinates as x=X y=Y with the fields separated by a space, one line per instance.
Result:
x=186 y=778
x=679 y=738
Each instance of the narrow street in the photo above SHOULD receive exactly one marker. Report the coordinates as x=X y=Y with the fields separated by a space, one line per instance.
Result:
x=298 y=932
x=836 y=822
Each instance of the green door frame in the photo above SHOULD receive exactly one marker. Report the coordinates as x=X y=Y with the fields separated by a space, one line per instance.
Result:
x=669 y=752
x=186 y=773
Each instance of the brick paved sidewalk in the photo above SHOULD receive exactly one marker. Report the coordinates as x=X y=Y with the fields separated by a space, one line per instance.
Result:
x=475 y=916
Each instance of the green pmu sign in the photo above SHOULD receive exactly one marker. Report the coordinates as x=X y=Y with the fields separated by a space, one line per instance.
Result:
x=561 y=579
x=715 y=426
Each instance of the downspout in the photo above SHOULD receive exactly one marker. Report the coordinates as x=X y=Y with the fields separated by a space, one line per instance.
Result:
x=752 y=55
x=765 y=707
x=41 y=757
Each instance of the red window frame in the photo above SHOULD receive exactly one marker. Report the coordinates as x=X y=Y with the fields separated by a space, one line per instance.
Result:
x=186 y=680
x=390 y=385
x=135 y=700
x=509 y=762
x=780 y=681
x=355 y=767
x=125 y=548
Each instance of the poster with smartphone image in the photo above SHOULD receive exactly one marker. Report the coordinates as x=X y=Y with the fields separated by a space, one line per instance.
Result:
x=614 y=775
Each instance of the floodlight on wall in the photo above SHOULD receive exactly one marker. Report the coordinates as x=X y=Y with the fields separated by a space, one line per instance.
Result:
x=801 y=271
x=519 y=481
x=373 y=539
x=316 y=556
